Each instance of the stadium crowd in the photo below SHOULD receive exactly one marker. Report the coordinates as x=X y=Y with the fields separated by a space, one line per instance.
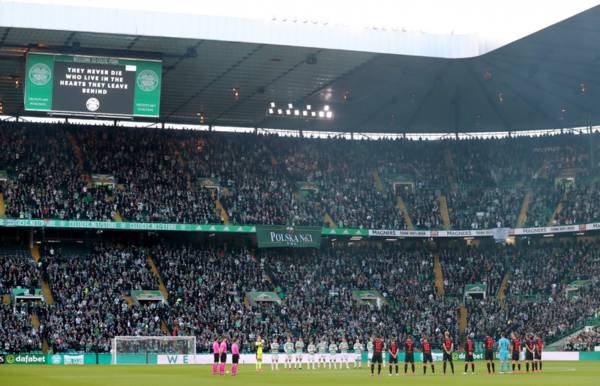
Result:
x=17 y=269
x=160 y=176
x=178 y=176
x=90 y=289
x=208 y=289
x=584 y=341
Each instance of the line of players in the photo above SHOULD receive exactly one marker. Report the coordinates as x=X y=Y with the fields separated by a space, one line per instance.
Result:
x=328 y=354
x=321 y=353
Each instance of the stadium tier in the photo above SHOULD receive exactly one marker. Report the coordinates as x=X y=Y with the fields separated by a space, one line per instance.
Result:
x=151 y=175
x=203 y=291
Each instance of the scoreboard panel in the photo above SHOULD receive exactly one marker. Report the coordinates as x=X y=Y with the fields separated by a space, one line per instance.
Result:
x=92 y=85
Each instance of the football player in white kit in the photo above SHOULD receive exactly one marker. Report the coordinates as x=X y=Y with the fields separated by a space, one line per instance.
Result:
x=322 y=353
x=344 y=353
x=288 y=349
x=299 y=353
x=312 y=357
x=333 y=355
x=369 y=351
x=274 y=354
x=358 y=349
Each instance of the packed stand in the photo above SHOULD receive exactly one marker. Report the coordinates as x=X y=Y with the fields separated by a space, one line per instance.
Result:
x=18 y=269
x=89 y=289
x=17 y=333
x=463 y=265
x=584 y=341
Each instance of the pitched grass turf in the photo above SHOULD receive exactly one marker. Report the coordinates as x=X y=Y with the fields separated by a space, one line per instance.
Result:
x=555 y=374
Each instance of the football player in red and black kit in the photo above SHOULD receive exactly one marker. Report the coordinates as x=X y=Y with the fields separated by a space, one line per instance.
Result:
x=537 y=358
x=469 y=357
x=488 y=347
x=377 y=355
x=393 y=351
x=409 y=355
x=515 y=349
x=529 y=350
x=448 y=347
x=427 y=356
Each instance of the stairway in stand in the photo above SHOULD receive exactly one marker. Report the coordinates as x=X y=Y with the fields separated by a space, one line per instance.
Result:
x=328 y=220
x=501 y=295
x=35 y=323
x=2 y=207
x=558 y=210
x=161 y=285
x=221 y=212
x=439 y=275
x=162 y=288
x=443 y=202
x=524 y=209
x=401 y=205
x=463 y=321
x=129 y=301
x=46 y=292
x=164 y=328
x=378 y=182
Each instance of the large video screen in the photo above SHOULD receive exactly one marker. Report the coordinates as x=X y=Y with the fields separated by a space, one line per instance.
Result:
x=92 y=85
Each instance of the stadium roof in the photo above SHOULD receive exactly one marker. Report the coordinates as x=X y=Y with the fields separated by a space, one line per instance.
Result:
x=546 y=80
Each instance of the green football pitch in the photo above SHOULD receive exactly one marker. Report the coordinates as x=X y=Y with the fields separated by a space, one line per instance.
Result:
x=555 y=373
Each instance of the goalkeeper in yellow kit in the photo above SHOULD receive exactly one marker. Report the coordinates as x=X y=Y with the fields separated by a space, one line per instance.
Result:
x=259 y=344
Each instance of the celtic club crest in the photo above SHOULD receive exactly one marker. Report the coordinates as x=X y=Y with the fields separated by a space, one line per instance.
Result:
x=147 y=80
x=40 y=74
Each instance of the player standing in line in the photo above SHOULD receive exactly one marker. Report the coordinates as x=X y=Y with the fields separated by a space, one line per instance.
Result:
x=488 y=346
x=333 y=355
x=427 y=356
x=503 y=347
x=469 y=357
x=274 y=354
x=529 y=349
x=216 y=356
x=322 y=353
x=358 y=349
x=539 y=346
x=223 y=354
x=377 y=355
x=299 y=353
x=259 y=344
x=235 y=356
x=515 y=351
x=393 y=353
x=312 y=349
x=344 y=351
x=409 y=355
x=370 y=352
x=288 y=349
x=448 y=348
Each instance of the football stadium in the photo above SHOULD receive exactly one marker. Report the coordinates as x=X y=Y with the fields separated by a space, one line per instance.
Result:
x=299 y=193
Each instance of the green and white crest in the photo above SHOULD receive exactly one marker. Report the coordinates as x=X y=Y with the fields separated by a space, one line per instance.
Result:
x=147 y=80
x=40 y=74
